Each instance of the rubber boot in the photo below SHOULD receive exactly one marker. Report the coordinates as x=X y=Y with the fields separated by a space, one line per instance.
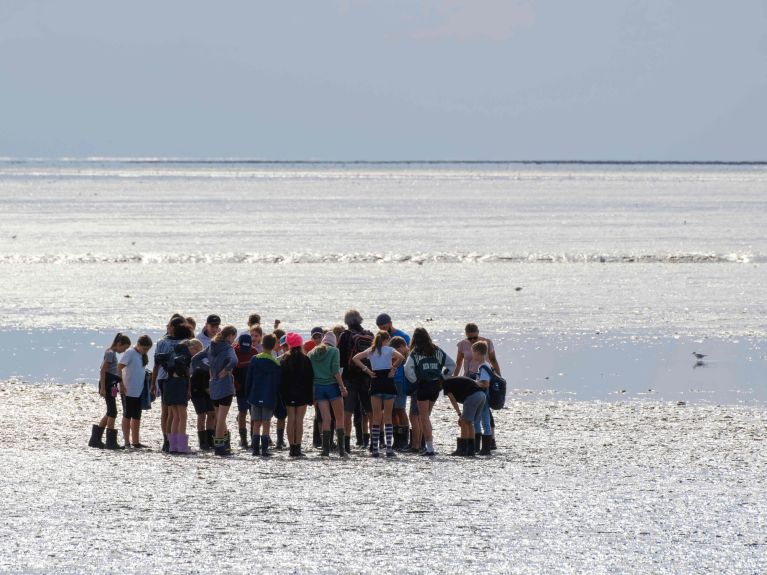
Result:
x=340 y=435
x=348 y=444
x=327 y=437
x=211 y=434
x=477 y=440
x=165 y=443
x=316 y=434
x=358 y=433
x=280 y=439
x=228 y=443
x=292 y=451
x=493 y=446
x=265 y=446
x=244 y=437
x=299 y=453
x=460 y=447
x=485 y=442
x=365 y=440
x=182 y=443
x=172 y=448
x=255 y=442
x=111 y=442
x=202 y=440
x=97 y=434
x=470 y=448
x=405 y=438
x=219 y=446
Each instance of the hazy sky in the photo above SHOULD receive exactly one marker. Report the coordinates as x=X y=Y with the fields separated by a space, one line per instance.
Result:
x=468 y=79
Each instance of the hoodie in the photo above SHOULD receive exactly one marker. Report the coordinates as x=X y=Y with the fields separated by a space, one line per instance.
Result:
x=222 y=356
x=263 y=381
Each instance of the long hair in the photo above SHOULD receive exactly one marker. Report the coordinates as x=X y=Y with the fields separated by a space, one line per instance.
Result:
x=120 y=339
x=292 y=358
x=145 y=341
x=225 y=332
x=422 y=343
x=378 y=341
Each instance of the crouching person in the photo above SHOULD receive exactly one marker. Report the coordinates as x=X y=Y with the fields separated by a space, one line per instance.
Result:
x=262 y=386
x=465 y=391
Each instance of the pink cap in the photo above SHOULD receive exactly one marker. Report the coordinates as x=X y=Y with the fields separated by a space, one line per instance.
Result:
x=294 y=340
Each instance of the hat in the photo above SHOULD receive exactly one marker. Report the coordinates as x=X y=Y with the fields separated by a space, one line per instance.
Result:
x=329 y=339
x=316 y=330
x=245 y=342
x=213 y=319
x=294 y=340
x=383 y=319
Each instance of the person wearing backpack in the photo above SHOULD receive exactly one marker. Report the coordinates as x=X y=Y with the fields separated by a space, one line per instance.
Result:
x=177 y=391
x=425 y=366
x=483 y=442
x=354 y=339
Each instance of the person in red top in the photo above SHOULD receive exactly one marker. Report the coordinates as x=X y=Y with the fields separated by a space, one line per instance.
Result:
x=245 y=352
x=316 y=339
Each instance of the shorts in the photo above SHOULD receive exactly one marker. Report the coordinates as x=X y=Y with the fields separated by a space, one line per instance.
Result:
x=225 y=401
x=242 y=402
x=327 y=392
x=111 y=402
x=131 y=407
x=384 y=396
x=401 y=401
x=382 y=383
x=202 y=404
x=280 y=411
x=359 y=391
x=261 y=413
x=175 y=392
x=428 y=390
x=472 y=407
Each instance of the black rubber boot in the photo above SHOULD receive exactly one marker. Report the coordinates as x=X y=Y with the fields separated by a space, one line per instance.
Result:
x=219 y=446
x=228 y=443
x=244 y=437
x=202 y=440
x=460 y=447
x=348 y=444
x=316 y=434
x=365 y=440
x=96 y=440
x=358 y=433
x=341 y=437
x=470 y=451
x=493 y=446
x=165 y=443
x=485 y=450
x=210 y=433
x=265 y=446
x=255 y=441
x=477 y=439
x=327 y=439
x=405 y=438
x=299 y=453
x=111 y=442
x=280 y=439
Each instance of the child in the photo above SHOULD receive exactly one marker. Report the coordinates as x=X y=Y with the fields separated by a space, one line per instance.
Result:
x=133 y=369
x=245 y=352
x=384 y=361
x=479 y=351
x=401 y=425
x=222 y=360
x=109 y=378
x=280 y=411
x=263 y=384
x=176 y=393
x=203 y=405
x=329 y=390
x=469 y=393
x=297 y=390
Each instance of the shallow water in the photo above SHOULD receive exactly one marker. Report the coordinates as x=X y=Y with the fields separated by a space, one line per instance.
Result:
x=626 y=487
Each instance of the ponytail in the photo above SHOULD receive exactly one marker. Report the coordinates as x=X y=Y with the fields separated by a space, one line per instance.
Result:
x=145 y=341
x=225 y=332
x=378 y=341
x=120 y=339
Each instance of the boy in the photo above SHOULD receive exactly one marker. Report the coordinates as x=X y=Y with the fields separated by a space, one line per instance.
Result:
x=401 y=428
x=203 y=404
x=245 y=352
x=479 y=352
x=262 y=387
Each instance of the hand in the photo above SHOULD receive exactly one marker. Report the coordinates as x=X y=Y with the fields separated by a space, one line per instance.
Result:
x=222 y=375
x=123 y=391
x=392 y=372
x=102 y=391
x=153 y=390
x=277 y=323
x=344 y=391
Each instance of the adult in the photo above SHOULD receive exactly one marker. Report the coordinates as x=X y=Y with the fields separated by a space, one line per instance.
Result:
x=354 y=340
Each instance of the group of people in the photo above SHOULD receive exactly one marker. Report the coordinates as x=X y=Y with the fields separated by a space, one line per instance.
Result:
x=355 y=379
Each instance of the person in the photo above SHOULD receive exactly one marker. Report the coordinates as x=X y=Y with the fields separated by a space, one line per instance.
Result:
x=482 y=423
x=354 y=340
x=254 y=319
x=203 y=405
x=177 y=391
x=280 y=411
x=384 y=361
x=400 y=418
x=384 y=323
x=109 y=378
x=176 y=332
x=192 y=323
x=329 y=390
x=471 y=394
x=279 y=334
x=465 y=359
x=209 y=330
x=315 y=339
x=222 y=360
x=245 y=352
x=132 y=366
x=262 y=387
x=297 y=390
x=256 y=333
x=425 y=366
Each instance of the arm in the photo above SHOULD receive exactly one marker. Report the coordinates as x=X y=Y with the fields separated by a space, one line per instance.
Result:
x=458 y=363
x=483 y=383
x=102 y=379
x=398 y=358
x=357 y=359
x=494 y=362
x=410 y=370
x=341 y=385
x=451 y=397
x=120 y=368
x=450 y=366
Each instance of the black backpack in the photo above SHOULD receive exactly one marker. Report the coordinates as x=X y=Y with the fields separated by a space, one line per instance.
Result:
x=496 y=393
x=358 y=342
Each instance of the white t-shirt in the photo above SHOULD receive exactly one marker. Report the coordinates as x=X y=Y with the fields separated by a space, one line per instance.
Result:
x=381 y=360
x=133 y=373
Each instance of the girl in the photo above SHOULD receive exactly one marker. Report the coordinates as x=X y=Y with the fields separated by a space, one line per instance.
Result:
x=109 y=377
x=297 y=390
x=244 y=351
x=425 y=367
x=384 y=361
x=133 y=369
x=222 y=360
x=203 y=405
x=178 y=391
x=329 y=389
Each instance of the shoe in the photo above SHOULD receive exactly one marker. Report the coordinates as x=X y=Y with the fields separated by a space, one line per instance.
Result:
x=165 y=443
x=139 y=446
x=111 y=442
x=244 y=437
x=348 y=444
x=219 y=447
x=202 y=440
x=97 y=433
x=493 y=446
x=182 y=443
x=375 y=453
x=365 y=440
x=485 y=443
x=477 y=439
x=461 y=449
x=390 y=452
x=280 y=440
x=299 y=453
x=172 y=443
x=428 y=454
x=326 y=441
x=316 y=434
x=228 y=443
x=210 y=433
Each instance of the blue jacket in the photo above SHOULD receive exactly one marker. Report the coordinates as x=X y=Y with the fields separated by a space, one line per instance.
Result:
x=263 y=383
x=221 y=355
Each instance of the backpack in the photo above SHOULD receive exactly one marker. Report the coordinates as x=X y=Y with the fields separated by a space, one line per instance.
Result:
x=359 y=341
x=496 y=393
x=175 y=362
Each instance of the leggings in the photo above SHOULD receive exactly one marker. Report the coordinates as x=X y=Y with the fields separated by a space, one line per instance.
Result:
x=483 y=425
x=111 y=403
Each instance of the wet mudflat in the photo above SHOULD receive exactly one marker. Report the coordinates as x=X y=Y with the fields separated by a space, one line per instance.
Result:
x=583 y=486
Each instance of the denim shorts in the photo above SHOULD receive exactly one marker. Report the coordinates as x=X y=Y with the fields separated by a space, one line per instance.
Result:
x=401 y=400
x=472 y=407
x=327 y=392
x=385 y=396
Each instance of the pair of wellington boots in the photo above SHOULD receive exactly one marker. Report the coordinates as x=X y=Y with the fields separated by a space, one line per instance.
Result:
x=97 y=433
x=178 y=443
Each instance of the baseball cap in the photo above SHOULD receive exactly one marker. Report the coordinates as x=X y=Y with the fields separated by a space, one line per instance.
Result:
x=383 y=319
x=213 y=319
x=245 y=341
x=317 y=330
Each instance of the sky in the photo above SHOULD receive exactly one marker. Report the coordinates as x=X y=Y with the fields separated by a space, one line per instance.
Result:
x=385 y=80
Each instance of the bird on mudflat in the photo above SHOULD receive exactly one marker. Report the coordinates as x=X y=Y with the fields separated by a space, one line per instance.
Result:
x=699 y=355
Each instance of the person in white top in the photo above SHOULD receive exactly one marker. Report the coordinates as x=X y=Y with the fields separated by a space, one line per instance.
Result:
x=383 y=362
